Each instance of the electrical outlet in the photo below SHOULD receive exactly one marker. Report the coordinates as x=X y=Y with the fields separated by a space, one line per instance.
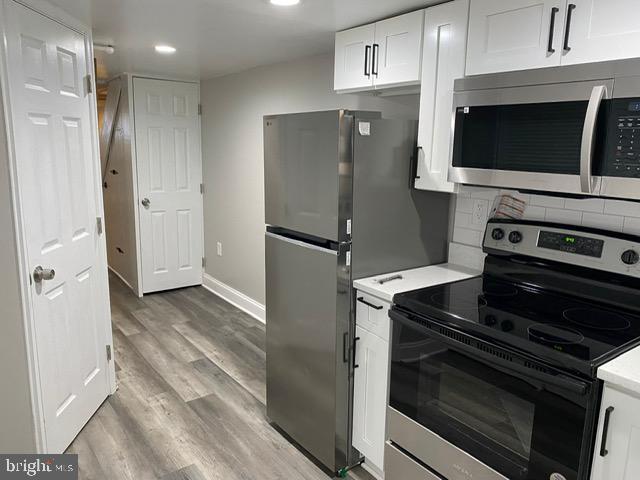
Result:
x=219 y=248
x=480 y=212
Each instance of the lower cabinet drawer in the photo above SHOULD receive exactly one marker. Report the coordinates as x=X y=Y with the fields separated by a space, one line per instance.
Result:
x=373 y=314
x=399 y=466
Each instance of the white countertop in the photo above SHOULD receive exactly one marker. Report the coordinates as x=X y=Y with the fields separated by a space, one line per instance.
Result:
x=623 y=371
x=413 y=279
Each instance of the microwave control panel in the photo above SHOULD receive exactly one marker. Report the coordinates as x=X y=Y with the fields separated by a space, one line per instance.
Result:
x=623 y=150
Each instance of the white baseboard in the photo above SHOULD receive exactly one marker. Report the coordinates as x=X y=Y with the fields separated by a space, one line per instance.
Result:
x=234 y=297
x=112 y=270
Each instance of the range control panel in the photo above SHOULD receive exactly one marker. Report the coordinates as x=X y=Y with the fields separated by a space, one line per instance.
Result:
x=615 y=253
x=623 y=149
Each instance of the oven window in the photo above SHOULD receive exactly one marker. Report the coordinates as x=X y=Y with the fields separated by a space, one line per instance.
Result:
x=540 y=138
x=517 y=427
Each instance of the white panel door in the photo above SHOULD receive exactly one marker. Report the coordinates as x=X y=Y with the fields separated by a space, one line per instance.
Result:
x=57 y=175
x=370 y=396
x=443 y=61
x=353 y=58
x=169 y=165
x=617 y=451
x=514 y=35
x=398 y=50
x=602 y=30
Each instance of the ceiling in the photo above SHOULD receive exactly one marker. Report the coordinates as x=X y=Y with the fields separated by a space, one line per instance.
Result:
x=218 y=37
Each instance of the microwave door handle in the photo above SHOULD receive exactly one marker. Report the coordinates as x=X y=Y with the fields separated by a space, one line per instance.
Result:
x=589 y=137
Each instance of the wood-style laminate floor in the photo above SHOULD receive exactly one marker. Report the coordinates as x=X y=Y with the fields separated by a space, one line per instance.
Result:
x=190 y=403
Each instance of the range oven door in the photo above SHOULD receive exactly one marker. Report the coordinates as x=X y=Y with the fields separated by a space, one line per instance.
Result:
x=511 y=415
x=543 y=137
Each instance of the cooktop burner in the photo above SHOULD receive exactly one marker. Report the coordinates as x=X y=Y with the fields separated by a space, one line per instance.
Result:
x=597 y=319
x=542 y=321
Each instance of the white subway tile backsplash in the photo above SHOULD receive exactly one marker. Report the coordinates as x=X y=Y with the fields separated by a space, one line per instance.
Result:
x=595 y=205
x=632 y=225
x=617 y=215
x=621 y=207
x=467 y=236
x=607 y=222
x=534 y=213
x=550 y=202
x=560 y=215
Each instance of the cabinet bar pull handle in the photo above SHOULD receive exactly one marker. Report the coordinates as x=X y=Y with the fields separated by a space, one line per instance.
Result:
x=355 y=365
x=374 y=60
x=552 y=28
x=367 y=51
x=605 y=429
x=368 y=304
x=567 y=29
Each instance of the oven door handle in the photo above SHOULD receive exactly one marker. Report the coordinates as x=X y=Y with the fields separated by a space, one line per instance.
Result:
x=561 y=381
x=589 y=138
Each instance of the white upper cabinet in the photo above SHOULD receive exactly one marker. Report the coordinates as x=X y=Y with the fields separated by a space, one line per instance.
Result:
x=602 y=30
x=397 y=50
x=514 y=35
x=443 y=60
x=380 y=55
x=618 y=439
x=353 y=58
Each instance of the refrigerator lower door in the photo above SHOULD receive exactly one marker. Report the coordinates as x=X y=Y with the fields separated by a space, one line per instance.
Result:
x=307 y=290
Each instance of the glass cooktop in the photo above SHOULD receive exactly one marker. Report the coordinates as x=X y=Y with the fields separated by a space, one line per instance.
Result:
x=548 y=324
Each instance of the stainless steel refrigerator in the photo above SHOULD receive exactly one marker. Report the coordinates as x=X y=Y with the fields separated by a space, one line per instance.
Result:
x=339 y=206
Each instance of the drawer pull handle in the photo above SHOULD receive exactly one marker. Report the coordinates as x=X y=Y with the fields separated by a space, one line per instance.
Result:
x=605 y=429
x=368 y=304
x=355 y=342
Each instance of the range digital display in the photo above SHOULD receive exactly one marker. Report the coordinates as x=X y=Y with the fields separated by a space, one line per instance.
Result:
x=590 y=247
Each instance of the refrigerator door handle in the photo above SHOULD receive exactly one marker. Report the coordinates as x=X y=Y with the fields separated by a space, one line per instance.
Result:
x=300 y=243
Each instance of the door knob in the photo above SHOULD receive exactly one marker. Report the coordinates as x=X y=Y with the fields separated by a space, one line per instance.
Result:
x=40 y=274
x=146 y=202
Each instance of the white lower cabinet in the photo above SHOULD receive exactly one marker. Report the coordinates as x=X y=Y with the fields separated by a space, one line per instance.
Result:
x=443 y=61
x=371 y=387
x=617 y=448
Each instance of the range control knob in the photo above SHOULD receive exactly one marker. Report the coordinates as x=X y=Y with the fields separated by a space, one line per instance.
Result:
x=515 y=237
x=630 y=257
x=497 y=234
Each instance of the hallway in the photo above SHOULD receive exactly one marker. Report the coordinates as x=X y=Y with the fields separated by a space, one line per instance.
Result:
x=191 y=396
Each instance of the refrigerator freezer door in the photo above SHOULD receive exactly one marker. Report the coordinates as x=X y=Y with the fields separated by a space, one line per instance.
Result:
x=395 y=227
x=307 y=321
x=307 y=161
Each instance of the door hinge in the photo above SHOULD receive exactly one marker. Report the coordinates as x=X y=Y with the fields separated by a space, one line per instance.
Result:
x=199 y=109
x=88 y=84
x=202 y=189
x=99 y=225
x=204 y=262
x=108 y=353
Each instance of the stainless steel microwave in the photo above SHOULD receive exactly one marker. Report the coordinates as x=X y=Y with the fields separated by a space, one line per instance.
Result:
x=572 y=130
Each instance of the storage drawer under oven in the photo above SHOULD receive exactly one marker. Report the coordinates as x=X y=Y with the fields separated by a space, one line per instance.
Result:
x=398 y=465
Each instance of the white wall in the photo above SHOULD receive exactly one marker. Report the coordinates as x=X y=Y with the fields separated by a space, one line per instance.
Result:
x=17 y=433
x=233 y=107
x=616 y=215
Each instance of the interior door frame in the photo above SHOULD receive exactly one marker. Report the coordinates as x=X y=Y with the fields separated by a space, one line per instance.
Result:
x=54 y=13
x=134 y=155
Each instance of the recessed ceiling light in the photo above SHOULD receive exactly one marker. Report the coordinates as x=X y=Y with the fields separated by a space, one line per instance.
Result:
x=165 y=49
x=285 y=3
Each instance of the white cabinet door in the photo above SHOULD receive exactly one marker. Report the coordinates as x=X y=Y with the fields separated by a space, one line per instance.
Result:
x=602 y=30
x=169 y=167
x=514 y=35
x=443 y=60
x=354 y=58
x=59 y=190
x=398 y=50
x=370 y=396
x=620 y=444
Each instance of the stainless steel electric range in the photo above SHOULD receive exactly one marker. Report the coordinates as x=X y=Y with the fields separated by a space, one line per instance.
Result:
x=494 y=377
